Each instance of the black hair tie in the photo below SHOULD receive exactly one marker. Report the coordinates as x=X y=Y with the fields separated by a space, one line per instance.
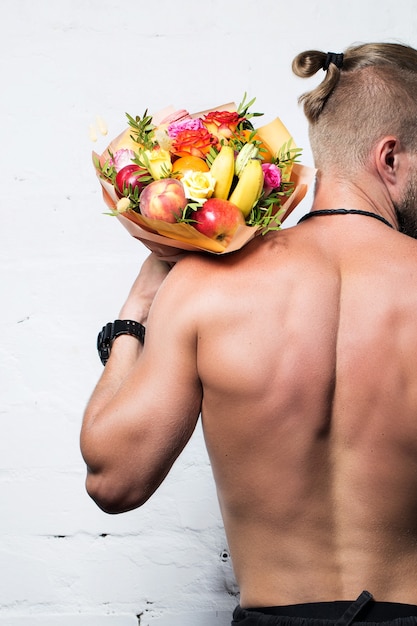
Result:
x=333 y=57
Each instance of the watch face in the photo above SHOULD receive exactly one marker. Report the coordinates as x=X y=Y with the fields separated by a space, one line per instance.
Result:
x=103 y=342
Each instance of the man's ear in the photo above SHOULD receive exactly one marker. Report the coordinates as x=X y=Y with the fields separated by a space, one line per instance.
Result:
x=387 y=155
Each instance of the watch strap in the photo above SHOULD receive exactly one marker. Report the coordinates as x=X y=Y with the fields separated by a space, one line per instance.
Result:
x=110 y=331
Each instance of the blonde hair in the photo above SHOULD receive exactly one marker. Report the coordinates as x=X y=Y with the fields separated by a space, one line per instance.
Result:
x=368 y=92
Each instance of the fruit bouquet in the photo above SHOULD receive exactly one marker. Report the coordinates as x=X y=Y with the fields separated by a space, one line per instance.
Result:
x=208 y=181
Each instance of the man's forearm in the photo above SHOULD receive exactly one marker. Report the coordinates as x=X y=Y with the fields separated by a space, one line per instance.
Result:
x=125 y=350
x=124 y=354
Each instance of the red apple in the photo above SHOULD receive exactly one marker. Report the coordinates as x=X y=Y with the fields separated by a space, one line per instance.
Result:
x=130 y=177
x=218 y=219
x=163 y=199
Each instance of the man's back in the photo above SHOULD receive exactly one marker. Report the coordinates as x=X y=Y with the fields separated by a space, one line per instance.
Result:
x=300 y=350
x=307 y=354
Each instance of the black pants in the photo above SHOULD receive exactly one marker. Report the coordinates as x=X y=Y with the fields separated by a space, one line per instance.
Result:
x=363 y=611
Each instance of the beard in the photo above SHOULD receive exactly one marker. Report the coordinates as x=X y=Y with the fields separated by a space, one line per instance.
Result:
x=406 y=210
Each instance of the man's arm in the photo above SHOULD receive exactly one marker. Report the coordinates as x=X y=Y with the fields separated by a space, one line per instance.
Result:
x=147 y=402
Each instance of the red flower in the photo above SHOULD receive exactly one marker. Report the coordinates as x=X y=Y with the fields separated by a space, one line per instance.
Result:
x=196 y=142
x=222 y=123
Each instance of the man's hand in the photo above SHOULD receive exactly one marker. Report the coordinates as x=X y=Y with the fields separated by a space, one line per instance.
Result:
x=151 y=276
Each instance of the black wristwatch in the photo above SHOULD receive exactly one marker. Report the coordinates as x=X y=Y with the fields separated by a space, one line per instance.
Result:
x=110 y=331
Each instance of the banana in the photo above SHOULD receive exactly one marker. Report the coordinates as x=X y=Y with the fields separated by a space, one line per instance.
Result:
x=248 y=151
x=222 y=170
x=249 y=187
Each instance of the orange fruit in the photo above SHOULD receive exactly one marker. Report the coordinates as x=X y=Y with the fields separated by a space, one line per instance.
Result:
x=189 y=162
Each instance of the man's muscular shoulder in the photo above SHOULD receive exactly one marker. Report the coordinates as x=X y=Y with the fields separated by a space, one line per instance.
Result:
x=205 y=271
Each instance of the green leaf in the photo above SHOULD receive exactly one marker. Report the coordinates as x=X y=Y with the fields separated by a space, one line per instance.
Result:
x=143 y=129
x=211 y=155
x=243 y=111
x=187 y=214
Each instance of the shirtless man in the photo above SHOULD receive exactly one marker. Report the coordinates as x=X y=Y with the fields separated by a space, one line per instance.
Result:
x=300 y=351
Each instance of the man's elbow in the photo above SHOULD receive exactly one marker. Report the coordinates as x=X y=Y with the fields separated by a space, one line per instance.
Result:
x=113 y=497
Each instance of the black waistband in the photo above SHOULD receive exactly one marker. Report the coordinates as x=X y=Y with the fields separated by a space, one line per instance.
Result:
x=372 y=612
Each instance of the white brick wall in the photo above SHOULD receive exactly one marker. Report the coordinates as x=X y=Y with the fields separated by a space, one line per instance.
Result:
x=65 y=269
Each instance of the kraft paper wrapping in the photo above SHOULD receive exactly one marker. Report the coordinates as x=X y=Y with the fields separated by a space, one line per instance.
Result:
x=170 y=240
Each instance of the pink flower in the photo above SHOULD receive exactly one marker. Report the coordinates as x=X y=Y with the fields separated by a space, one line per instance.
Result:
x=121 y=158
x=178 y=127
x=272 y=177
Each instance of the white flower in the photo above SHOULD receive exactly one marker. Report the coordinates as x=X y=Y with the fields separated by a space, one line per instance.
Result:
x=198 y=186
x=162 y=139
x=123 y=205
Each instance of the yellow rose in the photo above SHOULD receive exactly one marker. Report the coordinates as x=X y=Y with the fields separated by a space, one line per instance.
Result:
x=198 y=185
x=158 y=162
